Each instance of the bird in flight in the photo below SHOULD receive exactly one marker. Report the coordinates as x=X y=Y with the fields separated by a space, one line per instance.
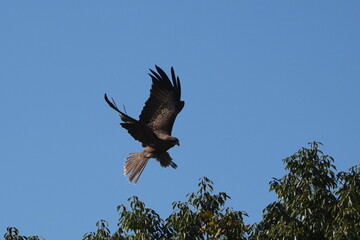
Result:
x=153 y=129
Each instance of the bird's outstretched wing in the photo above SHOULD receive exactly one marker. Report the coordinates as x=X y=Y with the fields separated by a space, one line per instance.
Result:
x=137 y=130
x=164 y=103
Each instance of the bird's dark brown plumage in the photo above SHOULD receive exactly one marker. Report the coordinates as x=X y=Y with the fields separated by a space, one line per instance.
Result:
x=154 y=127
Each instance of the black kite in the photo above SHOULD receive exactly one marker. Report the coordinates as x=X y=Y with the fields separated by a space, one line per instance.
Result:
x=153 y=129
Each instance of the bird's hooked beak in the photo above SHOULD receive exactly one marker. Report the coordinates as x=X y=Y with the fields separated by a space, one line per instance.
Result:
x=177 y=143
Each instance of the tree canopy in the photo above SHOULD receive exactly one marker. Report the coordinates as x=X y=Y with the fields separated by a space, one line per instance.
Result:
x=314 y=202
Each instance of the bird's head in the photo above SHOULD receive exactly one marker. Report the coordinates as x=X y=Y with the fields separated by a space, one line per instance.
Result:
x=172 y=140
x=177 y=142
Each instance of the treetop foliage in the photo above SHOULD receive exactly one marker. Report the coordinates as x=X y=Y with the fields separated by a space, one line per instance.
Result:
x=314 y=202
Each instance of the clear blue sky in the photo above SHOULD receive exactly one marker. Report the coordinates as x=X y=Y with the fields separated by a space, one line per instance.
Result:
x=260 y=80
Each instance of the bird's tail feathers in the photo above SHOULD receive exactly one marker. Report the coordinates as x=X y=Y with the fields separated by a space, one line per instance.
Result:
x=135 y=165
